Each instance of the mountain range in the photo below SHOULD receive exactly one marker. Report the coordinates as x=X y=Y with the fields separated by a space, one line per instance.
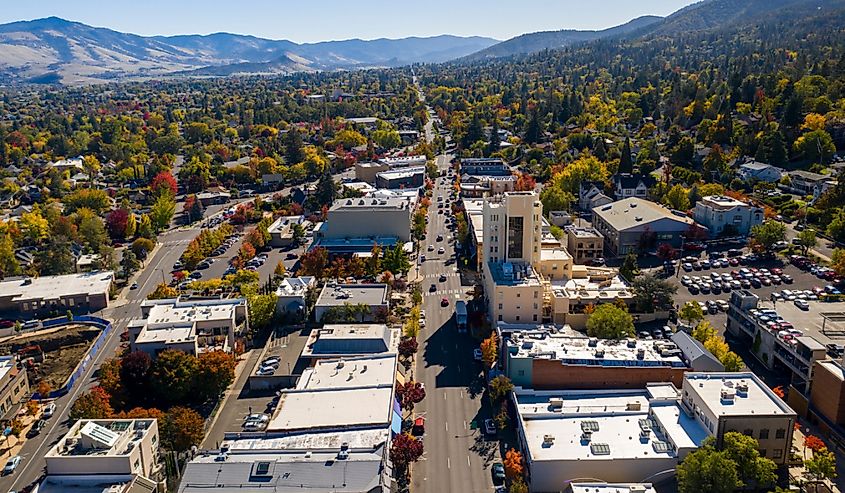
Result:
x=54 y=50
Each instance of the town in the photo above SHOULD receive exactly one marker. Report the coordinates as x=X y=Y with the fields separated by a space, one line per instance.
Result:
x=580 y=277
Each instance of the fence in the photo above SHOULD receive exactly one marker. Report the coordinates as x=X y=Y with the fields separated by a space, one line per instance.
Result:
x=98 y=343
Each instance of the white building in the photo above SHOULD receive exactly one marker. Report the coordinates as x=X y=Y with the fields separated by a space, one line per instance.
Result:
x=344 y=340
x=292 y=292
x=355 y=225
x=759 y=171
x=615 y=436
x=282 y=230
x=726 y=215
x=192 y=326
x=335 y=297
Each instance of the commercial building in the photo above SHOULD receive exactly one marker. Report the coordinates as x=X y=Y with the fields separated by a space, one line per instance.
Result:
x=476 y=186
x=585 y=286
x=584 y=244
x=107 y=447
x=727 y=216
x=401 y=178
x=611 y=488
x=367 y=171
x=84 y=292
x=282 y=230
x=740 y=402
x=291 y=294
x=14 y=388
x=827 y=397
x=354 y=225
x=748 y=320
x=404 y=161
x=474 y=210
x=607 y=435
x=695 y=355
x=99 y=483
x=344 y=340
x=544 y=360
x=759 y=171
x=336 y=297
x=634 y=225
x=192 y=326
x=484 y=166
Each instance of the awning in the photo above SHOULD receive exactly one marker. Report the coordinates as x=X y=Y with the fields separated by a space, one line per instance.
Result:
x=396 y=423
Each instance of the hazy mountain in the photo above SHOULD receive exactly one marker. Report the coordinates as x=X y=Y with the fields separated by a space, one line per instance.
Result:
x=533 y=42
x=56 y=50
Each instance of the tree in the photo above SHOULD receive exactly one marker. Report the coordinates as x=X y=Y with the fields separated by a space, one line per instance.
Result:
x=246 y=252
x=753 y=470
x=216 y=373
x=409 y=394
x=172 y=376
x=129 y=263
x=652 y=293
x=44 y=388
x=822 y=466
x=9 y=265
x=514 y=466
x=708 y=469
x=92 y=405
x=163 y=292
x=626 y=163
x=629 y=270
x=294 y=152
x=518 y=486
x=116 y=222
x=91 y=229
x=162 y=211
x=262 y=310
x=608 y=321
x=807 y=240
x=665 y=252
x=396 y=260
x=193 y=208
x=732 y=362
x=767 y=234
x=56 y=257
x=525 y=183
x=145 y=227
x=533 y=128
x=814 y=443
x=280 y=270
x=691 y=312
x=408 y=347
x=704 y=332
x=500 y=386
x=326 y=189
x=164 y=184
x=314 y=263
x=181 y=429
x=135 y=374
x=490 y=350
x=109 y=378
x=141 y=247
x=556 y=199
x=404 y=450
x=816 y=146
x=677 y=198
x=387 y=139
x=91 y=165
x=90 y=198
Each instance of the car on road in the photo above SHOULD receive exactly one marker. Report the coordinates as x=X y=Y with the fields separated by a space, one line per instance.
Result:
x=439 y=237
x=422 y=258
x=432 y=288
x=134 y=285
x=444 y=301
x=36 y=428
x=431 y=248
x=498 y=473
x=489 y=427
x=442 y=277
x=802 y=304
x=11 y=465
x=177 y=265
x=50 y=410
x=441 y=251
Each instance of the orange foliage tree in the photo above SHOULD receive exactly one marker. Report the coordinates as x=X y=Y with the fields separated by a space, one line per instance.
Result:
x=514 y=467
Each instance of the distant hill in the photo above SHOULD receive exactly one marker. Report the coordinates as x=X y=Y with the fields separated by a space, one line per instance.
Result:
x=546 y=40
x=56 y=50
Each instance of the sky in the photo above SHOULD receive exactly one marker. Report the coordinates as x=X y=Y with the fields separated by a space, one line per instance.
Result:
x=305 y=21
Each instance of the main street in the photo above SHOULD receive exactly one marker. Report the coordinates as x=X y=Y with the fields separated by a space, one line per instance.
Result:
x=457 y=454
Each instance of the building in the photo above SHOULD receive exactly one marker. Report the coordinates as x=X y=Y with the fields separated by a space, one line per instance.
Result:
x=626 y=186
x=634 y=225
x=282 y=231
x=611 y=488
x=584 y=244
x=827 y=397
x=404 y=161
x=544 y=360
x=339 y=395
x=748 y=321
x=740 y=402
x=412 y=177
x=192 y=326
x=97 y=483
x=759 y=171
x=115 y=447
x=344 y=340
x=87 y=262
x=85 y=292
x=367 y=171
x=337 y=297
x=607 y=435
x=372 y=220
x=212 y=197
x=14 y=388
x=727 y=216
x=292 y=293
x=809 y=183
x=476 y=186
x=591 y=195
x=585 y=286
x=474 y=211
x=695 y=355
x=484 y=166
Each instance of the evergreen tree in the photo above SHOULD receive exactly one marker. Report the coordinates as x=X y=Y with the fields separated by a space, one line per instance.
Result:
x=626 y=163
x=474 y=132
x=494 y=138
x=294 y=153
x=533 y=128
x=326 y=189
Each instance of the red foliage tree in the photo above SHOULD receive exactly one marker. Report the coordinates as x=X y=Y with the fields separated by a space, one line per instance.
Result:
x=408 y=347
x=247 y=252
x=525 y=183
x=410 y=394
x=814 y=443
x=163 y=182
x=314 y=263
x=665 y=251
x=404 y=450
x=116 y=222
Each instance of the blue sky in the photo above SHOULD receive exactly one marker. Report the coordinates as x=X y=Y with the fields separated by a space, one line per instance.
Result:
x=320 y=20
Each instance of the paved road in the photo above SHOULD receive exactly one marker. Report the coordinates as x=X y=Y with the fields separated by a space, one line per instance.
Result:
x=457 y=455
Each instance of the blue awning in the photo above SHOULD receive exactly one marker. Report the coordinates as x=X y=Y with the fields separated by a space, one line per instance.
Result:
x=396 y=424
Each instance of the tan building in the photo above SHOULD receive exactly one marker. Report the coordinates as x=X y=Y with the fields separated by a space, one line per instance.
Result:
x=827 y=396
x=85 y=292
x=107 y=447
x=740 y=402
x=14 y=387
x=367 y=172
x=584 y=244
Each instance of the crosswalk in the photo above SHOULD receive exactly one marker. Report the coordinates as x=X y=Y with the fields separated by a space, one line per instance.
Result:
x=176 y=242
x=444 y=292
x=437 y=275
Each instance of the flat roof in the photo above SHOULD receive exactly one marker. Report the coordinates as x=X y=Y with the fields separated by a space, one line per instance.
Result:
x=95 y=483
x=283 y=223
x=340 y=294
x=175 y=311
x=7 y=364
x=723 y=201
x=611 y=488
x=295 y=286
x=333 y=408
x=554 y=254
x=349 y=373
x=395 y=174
x=584 y=233
x=370 y=204
x=513 y=273
x=403 y=160
x=758 y=399
x=591 y=289
x=351 y=339
x=101 y=437
x=55 y=287
x=631 y=212
x=356 y=439
x=587 y=351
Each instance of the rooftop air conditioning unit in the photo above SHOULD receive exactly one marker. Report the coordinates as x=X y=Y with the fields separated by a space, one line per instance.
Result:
x=641 y=353
x=742 y=388
x=593 y=342
x=632 y=343
x=556 y=402
x=586 y=436
x=599 y=353
x=728 y=394
x=633 y=406
x=548 y=440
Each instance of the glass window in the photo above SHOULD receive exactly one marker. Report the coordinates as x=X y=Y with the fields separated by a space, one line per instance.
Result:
x=764 y=434
x=515 y=231
x=777 y=453
x=781 y=433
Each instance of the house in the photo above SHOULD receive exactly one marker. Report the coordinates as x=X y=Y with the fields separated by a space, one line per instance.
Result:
x=634 y=225
x=727 y=216
x=759 y=171
x=335 y=298
x=282 y=230
x=627 y=185
x=696 y=356
x=808 y=183
x=84 y=292
x=291 y=294
x=591 y=195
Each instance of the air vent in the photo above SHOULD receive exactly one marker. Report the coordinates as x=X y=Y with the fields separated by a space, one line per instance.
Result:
x=589 y=425
x=600 y=448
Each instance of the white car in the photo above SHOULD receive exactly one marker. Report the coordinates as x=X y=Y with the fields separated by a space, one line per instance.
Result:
x=50 y=410
x=802 y=304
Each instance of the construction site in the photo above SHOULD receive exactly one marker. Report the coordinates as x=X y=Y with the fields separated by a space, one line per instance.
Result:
x=50 y=355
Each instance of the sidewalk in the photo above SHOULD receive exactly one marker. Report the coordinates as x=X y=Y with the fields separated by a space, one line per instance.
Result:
x=27 y=422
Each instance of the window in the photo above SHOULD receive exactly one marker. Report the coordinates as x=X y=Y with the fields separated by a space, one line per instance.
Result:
x=780 y=433
x=535 y=317
x=777 y=453
x=517 y=318
x=764 y=434
x=500 y=318
x=536 y=294
x=517 y=295
x=748 y=432
x=762 y=452
x=515 y=232
x=500 y=306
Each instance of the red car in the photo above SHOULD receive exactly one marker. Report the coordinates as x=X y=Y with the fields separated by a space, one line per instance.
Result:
x=777 y=271
x=444 y=301
x=5 y=324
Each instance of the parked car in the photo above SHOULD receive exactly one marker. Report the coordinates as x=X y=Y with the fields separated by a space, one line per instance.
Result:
x=15 y=461
x=802 y=304
x=50 y=410
x=444 y=301
x=36 y=428
x=498 y=472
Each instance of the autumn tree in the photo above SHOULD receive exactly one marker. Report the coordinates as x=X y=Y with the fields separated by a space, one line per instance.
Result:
x=489 y=350
x=181 y=429
x=408 y=347
x=116 y=222
x=135 y=374
x=314 y=263
x=162 y=292
x=514 y=466
x=405 y=449
x=172 y=376
x=163 y=183
x=94 y=404
x=215 y=373
x=691 y=312
x=499 y=387
x=409 y=394
x=109 y=379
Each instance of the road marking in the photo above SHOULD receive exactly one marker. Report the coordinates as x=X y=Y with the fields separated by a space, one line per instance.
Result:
x=447 y=426
x=465 y=425
x=468 y=462
x=448 y=463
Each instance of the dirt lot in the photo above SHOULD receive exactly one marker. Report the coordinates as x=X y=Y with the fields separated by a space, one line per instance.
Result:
x=63 y=350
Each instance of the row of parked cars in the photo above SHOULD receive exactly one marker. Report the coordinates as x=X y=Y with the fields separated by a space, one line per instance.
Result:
x=820 y=271
x=744 y=278
x=268 y=366
x=775 y=323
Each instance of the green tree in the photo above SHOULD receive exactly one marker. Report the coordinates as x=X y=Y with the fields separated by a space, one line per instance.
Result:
x=652 y=293
x=499 y=388
x=608 y=321
x=262 y=310
x=708 y=469
x=768 y=233
x=807 y=240
x=172 y=376
x=691 y=312
x=626 y=163
x=677 y=198
x=753 y=470
x=294 y=152
x=815 y=147
x=387 y=139
x=91 y=229
x=822 y=466
x=396 y=260
x=630 y=270
x=162 y=211
x=326 y=189
x=556 y=199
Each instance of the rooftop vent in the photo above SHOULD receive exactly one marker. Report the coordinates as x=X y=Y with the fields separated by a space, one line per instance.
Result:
x=600 y=449
x=641 y=353
x=589 y=426
x=586 y=437
x=632 y=343
x=633 y=406
x=728 y=394
x=599 y=353
x=638 y=218
x=556 y=402
x=633 y=205
x=548 y=440
x=593 y=342
x=742 y=388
